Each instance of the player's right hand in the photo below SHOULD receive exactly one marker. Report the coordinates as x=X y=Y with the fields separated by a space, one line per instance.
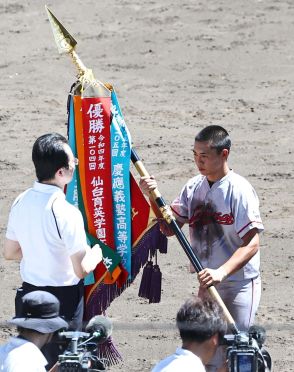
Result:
x=208 y=277
x=147 y=184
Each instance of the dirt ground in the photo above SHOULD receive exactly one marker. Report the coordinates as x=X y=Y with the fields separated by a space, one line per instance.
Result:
x=177 y=66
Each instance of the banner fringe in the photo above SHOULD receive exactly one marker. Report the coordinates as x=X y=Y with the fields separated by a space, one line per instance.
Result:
x=104 y=294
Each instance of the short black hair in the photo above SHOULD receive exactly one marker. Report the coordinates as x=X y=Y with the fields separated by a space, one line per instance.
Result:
x=217 y=136
x=199 y=319
x=48 y=155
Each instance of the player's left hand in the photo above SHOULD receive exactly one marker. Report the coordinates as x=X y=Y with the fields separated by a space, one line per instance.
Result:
x=208 y=277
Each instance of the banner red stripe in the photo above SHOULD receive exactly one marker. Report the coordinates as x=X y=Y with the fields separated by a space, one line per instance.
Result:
x=97 y=153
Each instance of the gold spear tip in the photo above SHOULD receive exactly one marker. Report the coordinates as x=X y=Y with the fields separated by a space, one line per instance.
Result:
x=63 y=39
x=66 y=44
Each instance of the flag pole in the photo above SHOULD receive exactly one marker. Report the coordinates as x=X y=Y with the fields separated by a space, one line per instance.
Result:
x=66 y=45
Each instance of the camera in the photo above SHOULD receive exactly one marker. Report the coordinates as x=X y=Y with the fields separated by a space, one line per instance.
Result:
x=245 y=351
x=81 y=353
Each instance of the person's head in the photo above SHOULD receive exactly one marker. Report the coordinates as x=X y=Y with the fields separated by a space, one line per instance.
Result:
x=201 y=322
x=211 y=150
x=39 y=316
x=53 y=157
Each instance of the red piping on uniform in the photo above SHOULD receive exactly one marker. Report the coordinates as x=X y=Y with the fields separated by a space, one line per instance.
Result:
x=248 y=225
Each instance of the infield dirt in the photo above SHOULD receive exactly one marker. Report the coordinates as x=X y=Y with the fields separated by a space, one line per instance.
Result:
x=177 y=66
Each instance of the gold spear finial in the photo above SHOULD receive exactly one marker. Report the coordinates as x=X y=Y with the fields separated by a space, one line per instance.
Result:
x=66 y=45
x=64 y=41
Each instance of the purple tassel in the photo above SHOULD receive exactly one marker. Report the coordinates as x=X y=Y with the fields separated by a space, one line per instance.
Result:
x=104 y=294
x=144 y=289
x=108 y=353
x=162 y=244
x=155 y=290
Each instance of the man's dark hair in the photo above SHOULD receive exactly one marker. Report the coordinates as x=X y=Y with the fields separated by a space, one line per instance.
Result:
x=48 y=155
x=199 y=319
x=217 y=136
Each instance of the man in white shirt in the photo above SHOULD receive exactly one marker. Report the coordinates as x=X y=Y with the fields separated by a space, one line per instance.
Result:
x=201 y=324
x=36 y=324
x=46 y=233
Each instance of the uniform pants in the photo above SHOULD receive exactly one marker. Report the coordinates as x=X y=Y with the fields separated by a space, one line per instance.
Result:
x=242 y=300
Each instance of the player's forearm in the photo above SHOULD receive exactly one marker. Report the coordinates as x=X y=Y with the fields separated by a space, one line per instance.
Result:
x=240 y=258
x=243 y=254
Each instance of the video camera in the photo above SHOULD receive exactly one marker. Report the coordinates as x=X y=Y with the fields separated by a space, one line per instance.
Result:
x=81 y=354
x=245 y=351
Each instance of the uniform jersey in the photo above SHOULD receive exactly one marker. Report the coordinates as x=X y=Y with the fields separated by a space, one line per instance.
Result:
x=218 y=217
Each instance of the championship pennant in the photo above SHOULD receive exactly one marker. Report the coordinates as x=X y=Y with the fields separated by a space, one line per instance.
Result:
x=116 y=214
x=97 y=157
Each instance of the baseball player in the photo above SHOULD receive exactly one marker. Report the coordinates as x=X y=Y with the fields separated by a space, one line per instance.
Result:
x=222 y=210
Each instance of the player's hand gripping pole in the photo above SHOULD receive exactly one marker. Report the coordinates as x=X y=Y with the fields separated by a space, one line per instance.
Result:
x=170 y=219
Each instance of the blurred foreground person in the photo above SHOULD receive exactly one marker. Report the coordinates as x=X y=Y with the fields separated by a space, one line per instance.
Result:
x=36 y=324
x=201 y=325
x=46 y=233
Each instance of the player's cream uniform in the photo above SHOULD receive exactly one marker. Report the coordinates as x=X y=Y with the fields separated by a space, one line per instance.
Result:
x=219 y=216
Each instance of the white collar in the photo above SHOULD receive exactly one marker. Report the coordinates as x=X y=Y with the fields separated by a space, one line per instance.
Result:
x=46 y=188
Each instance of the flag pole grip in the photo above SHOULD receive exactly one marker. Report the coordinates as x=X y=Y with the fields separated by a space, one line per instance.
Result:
x=170 y=219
